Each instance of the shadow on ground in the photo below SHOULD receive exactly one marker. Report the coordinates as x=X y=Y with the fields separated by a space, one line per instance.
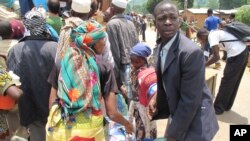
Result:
x=232 y=117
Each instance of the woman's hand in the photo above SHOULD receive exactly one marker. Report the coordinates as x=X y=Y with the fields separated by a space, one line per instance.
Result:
x=114 y=115
x=123 y=91
x=129 y=128
x=151 y=110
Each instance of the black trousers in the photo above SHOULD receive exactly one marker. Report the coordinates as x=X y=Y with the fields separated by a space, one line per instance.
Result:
x=233 y=72
x=143 y=35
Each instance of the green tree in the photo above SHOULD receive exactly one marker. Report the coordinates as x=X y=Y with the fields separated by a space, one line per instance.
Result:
x=213 y=4
x=128 y=8
x=243 y=15
x=181 y=3
x=199 y=3
x=140 y=9
x=225 y=4
x=151 y=5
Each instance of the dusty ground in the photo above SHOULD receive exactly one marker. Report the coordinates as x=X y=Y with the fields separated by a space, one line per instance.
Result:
x=239 y=114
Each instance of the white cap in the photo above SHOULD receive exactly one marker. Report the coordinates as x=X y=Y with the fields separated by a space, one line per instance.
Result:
x=81 y=6
x=120 y=3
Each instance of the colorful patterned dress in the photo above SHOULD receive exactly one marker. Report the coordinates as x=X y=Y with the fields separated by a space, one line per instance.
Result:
x=145 y=129
x=5 y=82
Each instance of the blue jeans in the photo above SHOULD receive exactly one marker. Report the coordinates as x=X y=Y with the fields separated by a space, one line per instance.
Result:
x=126 y=79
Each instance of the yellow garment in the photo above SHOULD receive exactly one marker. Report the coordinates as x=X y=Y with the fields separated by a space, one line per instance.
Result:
x=83 y=127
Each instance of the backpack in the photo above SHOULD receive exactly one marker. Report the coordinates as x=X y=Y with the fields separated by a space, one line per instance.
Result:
x=240 y=30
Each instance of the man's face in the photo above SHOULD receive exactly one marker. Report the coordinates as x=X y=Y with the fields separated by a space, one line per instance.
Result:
x=167 y=21
x=202 y=39
x=107 y=15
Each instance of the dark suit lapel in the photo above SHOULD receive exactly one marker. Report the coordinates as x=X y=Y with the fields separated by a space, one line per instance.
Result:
x=170 y=58
x=172 y=53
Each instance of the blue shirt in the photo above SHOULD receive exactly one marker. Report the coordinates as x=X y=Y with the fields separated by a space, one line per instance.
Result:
x=211 y=22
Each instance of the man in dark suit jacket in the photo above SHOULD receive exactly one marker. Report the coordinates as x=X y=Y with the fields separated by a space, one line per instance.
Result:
x=183 y=95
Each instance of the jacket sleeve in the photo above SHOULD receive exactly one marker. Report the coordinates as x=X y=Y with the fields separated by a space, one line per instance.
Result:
x=191 y=87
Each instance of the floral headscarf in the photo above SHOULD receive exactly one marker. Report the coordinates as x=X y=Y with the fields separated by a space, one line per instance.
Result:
x=35 y=22
x=87 y=34
x=78 y=83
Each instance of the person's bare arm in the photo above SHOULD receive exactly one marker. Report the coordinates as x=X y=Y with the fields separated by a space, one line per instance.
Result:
x=215 y=56
x=14 y=92
x=151 y=110
x=52 y=97
x=114 y=115
x=3 y=56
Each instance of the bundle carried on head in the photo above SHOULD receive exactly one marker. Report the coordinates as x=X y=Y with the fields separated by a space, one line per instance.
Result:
x=78 y=82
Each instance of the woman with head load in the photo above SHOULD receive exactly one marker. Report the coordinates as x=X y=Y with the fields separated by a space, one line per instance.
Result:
x=81 y=84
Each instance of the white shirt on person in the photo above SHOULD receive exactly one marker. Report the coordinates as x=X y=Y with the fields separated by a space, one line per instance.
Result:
x=233 y=48
x=164 y=52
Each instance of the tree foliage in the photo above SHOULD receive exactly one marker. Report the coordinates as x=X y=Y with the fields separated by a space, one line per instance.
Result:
x=179 y=3
x=213 y=4
x=225 y=4
x=151 y=5
x=138 y=8
x=243 y=15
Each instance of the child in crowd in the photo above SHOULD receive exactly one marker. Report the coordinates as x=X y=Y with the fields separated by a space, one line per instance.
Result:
x=202 y=36
x=54 y=20
x=144 y=86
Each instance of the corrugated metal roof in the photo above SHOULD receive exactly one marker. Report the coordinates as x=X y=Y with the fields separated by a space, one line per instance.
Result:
x=200 y=11
x=227 y=11
x=204 y=11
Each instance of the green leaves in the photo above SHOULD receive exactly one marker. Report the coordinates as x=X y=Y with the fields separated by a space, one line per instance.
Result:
x=243 y=15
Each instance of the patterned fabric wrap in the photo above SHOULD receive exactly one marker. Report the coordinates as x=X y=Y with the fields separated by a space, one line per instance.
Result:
x=78 y=83
x=64 y=39
x=35 y=23
x=6 y=102
x=87 y=34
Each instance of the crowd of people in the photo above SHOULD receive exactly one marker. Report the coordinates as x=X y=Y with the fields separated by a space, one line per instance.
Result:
x=62 y=74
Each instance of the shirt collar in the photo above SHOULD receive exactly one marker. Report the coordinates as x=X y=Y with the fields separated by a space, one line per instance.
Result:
x=170 y=42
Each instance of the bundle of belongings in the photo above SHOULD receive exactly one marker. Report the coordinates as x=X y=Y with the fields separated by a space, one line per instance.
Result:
x=115 y=131
x=7 y=13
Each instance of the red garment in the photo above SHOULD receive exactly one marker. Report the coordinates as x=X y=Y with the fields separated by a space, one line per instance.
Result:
x=146 y=79
x=17 y=29
x=77 y=138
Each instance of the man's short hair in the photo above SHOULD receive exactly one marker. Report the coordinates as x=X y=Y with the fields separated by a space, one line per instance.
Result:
x=210 y=11
x=162 y=3
x=54 y=6
x=232 y=15
x=5 y=29
x=202 y=32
